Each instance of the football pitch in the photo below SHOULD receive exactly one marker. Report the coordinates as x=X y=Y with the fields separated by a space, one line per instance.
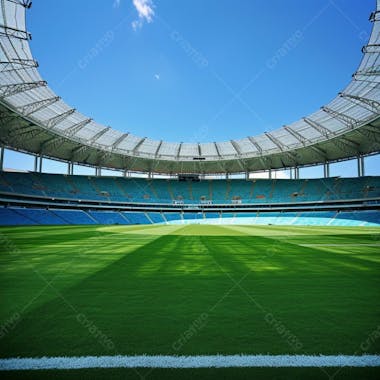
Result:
x=190 y=290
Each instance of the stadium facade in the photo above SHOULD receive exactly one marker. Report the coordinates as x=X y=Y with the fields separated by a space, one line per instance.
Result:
x=35 y=120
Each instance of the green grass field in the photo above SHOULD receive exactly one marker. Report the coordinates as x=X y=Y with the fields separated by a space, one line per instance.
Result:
x=188 y=290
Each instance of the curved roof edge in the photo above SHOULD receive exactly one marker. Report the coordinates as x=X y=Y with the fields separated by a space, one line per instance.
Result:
x=34 y=119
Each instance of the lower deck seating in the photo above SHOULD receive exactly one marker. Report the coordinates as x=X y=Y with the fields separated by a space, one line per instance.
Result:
x=169 y=216
x=14 y=216
x=156 y=217
x=108 y=217
x=74 y=216
x=136 y=217
x=9 y=217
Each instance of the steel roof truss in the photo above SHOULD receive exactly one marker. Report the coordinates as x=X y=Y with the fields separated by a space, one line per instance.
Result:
x=319 y=127
x=71 y=131
x=13 y=89
x=30 y=108
x=347 y=120
x=51 y=123
x=370 y=104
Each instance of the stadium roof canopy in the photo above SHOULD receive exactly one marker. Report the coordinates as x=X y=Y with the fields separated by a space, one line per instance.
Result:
x=34 y=119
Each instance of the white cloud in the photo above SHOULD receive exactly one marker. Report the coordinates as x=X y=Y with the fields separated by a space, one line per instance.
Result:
x=116 y=3
x=157 y=76
x=145 y=12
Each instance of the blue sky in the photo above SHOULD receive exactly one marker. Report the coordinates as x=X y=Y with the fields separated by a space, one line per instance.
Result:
x=199 y=70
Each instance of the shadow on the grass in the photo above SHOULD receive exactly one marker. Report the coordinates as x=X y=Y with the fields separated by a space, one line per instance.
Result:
x=146 y=300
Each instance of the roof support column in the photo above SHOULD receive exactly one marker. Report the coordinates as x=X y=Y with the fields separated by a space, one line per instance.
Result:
x=270 y=173
x=70 y=168
x=247 y=175
x=35 y=162
x=361 y=167
x=98 y=171
x=1 y=158
x=227 y=175
x=40 y=159
x=326 y=169
x=296 y=172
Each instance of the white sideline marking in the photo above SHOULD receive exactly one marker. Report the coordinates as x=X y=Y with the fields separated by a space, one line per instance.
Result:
x=207 y=361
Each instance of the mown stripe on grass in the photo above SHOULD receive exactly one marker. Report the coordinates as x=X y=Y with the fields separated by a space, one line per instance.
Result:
x=204 y=361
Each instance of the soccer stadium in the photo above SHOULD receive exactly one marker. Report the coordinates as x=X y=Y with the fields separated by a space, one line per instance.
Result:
x=168 y=260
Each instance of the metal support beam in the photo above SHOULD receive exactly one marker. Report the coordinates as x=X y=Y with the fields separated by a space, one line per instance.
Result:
x=236 y=147
x=40 y=163
x=75 y=128
x=29 y=129
x=296 y=172
x=35 y=163
x=137 y=146
x=326 y=169
x=51 y=140
x=372 y=128
x=78 y=150
x=320 y=152
x=370 y=134
x=1 y=158
x=119 y=140
x=361 y=167
x=255 y=144
x=282 y=147
x=179 y=150
x=275 y=141
x=51 y=123
x=347 y=120
x=13 y=89
x=33 y=107
x=368 y=79
x=374 y=16
x=99 y=134
x=217 y=149
x=158 y=149
x=369 y=104
x=6 y=118
x=319 y=127
x=7 y=31
x=370 y=71
x=17 y=64
x=199 y=150
x=371 y=49
x=296 y=135
x=20 y=61
x=347 y=142
x=270 y=173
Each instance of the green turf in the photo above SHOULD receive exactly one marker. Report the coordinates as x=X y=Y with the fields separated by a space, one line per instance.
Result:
x=200 y=374
x=194 y=289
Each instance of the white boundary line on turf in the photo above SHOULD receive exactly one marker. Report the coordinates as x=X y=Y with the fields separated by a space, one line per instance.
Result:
x=208 y=361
